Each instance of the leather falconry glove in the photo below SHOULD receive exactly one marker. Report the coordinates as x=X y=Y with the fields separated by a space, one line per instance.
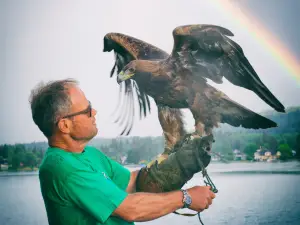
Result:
x=178 y=168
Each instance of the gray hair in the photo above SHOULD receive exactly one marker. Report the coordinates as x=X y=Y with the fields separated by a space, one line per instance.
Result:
x=49 y=102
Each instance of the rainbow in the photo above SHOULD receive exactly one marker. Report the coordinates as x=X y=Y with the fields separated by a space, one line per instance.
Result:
x=264 y=37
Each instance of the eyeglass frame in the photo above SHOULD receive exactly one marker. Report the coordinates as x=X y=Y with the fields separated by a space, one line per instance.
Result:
x=85 y=111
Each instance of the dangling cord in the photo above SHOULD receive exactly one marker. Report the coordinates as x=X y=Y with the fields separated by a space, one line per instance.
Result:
x=207 y=181
x=200 y=219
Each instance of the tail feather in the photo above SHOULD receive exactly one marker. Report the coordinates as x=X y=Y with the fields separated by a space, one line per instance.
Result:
x=237 y=115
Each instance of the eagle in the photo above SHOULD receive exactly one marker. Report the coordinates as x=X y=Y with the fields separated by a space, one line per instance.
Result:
x=179 y=80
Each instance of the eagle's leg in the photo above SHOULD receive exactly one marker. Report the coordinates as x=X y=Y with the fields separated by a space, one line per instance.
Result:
x=172 y=125
x=199 y=128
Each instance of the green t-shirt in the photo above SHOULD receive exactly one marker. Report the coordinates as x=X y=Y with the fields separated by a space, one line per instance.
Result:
x=82 y=188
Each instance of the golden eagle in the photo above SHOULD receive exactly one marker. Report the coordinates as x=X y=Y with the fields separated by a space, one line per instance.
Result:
x=179 y=80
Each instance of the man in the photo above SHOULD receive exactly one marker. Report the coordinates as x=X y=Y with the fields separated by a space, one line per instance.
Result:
x=79 y=184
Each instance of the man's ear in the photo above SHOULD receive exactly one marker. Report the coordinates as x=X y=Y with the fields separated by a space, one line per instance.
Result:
x=64 y=125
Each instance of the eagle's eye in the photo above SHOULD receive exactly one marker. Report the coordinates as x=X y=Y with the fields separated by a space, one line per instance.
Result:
x=131 y=70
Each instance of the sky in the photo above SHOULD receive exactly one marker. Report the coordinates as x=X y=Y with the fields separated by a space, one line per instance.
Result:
x=285 y=24
x=49 y=40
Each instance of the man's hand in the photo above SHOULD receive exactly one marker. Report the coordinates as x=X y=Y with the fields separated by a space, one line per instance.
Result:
x=201 y=196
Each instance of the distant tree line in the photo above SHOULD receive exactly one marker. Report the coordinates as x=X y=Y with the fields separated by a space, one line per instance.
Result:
x=284 y=138
x=20 y=156
x=134 y=148
x=146 y=148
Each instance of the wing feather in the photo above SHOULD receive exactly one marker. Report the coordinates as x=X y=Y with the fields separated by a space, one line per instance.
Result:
x=126 y=49
x=207 y=51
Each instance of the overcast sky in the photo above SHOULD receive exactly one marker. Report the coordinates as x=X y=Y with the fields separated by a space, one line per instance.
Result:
x=47 y=40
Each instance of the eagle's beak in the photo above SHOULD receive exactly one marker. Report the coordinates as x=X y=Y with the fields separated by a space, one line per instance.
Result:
x=123 y=76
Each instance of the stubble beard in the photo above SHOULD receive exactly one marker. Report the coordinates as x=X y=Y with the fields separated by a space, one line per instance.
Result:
x=85 y=138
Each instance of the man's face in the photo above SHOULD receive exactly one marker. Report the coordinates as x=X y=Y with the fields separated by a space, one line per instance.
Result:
x=83 y=126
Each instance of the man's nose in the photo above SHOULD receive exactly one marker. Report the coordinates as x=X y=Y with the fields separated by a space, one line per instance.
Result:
x=94 y=112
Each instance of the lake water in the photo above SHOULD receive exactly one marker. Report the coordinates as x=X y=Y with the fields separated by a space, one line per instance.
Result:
x=249 y=193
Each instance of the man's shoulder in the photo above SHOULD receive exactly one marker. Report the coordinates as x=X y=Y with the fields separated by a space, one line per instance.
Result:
x=96 y=152
x=57 y=163
x=93 y=149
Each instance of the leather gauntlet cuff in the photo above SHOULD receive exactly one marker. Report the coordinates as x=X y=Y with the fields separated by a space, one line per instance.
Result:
x=178 y=168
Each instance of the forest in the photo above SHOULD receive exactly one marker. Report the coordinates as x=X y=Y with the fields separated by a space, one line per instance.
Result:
x=285 y=138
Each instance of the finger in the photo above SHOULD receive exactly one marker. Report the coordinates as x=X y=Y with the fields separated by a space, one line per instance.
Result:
x=209 y=201
x=212 y=195
x=206 y=204
x=208 y=187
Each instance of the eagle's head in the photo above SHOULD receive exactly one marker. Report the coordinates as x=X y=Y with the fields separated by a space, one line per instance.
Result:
x=139 y=70
x=127 y=72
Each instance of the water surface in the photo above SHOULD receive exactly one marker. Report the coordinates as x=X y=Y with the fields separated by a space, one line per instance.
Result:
x=249 y=193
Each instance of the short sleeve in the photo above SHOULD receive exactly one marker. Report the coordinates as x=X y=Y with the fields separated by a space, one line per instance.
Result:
x=120 y=174
x=95 y=193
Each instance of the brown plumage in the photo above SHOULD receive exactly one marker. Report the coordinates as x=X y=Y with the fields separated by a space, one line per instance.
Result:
x=127 y=49
x=179 y=80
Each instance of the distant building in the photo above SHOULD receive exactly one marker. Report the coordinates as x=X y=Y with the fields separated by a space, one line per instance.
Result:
x=266 y=155
x=216 y=157
x=257 y=156
x=123 y=159
x=3 y=167
x=238 y=155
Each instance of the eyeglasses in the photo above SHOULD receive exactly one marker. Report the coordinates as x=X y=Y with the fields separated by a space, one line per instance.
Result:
x=88 y=111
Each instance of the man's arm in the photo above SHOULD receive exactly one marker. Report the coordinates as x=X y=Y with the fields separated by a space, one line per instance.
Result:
x=141 y=206
x=131 y=187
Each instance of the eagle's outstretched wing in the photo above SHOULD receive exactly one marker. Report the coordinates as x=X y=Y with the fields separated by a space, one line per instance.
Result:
x=126 y=49
x=206 y=51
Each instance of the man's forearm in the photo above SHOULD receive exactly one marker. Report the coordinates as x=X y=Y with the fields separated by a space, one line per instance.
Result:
x=142 y=206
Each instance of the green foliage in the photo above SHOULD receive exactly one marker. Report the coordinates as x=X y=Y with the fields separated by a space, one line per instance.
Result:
x=286 y=152
x=20 y=156
x=134 y=156
x=250 y=149
x=30 y=159
x=135 y=148
x=297 y=146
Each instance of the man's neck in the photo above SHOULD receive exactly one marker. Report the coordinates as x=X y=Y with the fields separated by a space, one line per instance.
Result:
x=67 y=144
